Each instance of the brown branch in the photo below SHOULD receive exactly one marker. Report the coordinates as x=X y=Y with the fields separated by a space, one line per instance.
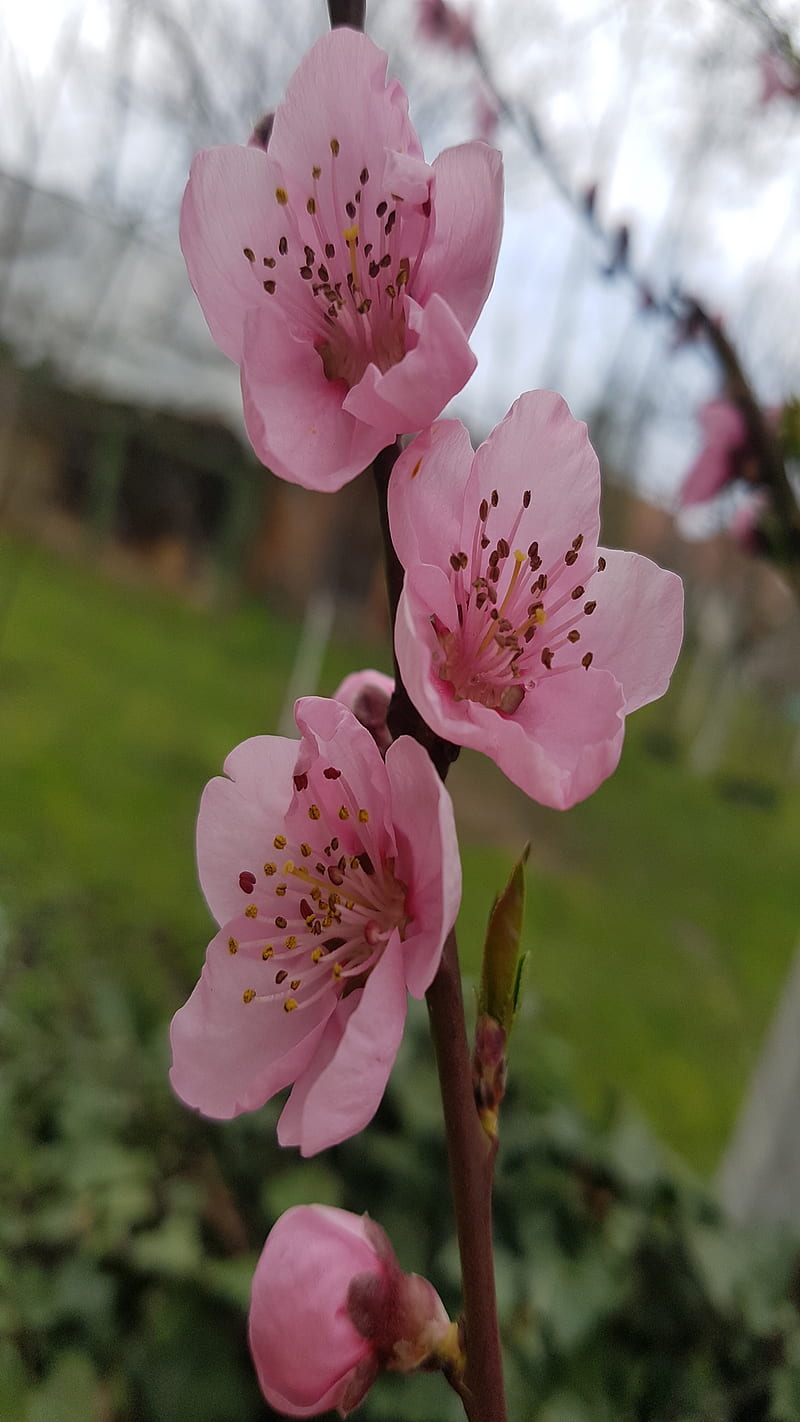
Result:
x=352 y=13
x=471 y=1154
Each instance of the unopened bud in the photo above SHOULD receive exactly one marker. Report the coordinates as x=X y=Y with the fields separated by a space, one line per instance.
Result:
x=367 y=694
x=330 y=1307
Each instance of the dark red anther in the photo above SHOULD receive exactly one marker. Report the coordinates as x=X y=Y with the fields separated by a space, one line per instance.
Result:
x=247 y=881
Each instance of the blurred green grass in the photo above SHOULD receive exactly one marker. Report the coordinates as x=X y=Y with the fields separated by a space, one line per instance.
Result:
x=661 y=915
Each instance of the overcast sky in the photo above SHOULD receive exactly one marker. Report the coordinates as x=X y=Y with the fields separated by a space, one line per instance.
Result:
x=658 y=103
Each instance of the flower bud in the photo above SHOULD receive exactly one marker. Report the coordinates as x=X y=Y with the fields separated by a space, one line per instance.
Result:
x=367 y=694
x=330 y=1306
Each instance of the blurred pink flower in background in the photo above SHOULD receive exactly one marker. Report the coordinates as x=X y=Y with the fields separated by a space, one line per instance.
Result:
x=367 y=694
x=779 y=78
x=725 y=440
x=745 y=523
x=339 y=270
x=515 y=634
x=442 y=23
x=330 y=1306
x=336 y=877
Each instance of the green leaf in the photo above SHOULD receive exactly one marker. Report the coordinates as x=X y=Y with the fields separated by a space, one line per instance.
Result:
x=68 y=1394
x=502 y=964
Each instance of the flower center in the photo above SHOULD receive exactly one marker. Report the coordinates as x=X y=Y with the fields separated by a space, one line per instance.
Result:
x=322 y=917
x=504 y=602
x=344 y=263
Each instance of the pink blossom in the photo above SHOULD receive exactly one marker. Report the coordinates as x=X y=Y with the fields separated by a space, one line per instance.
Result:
x=330 y=1306
x=779 y=77
x=745 y=525
x=515 y=634
x=442 y=23
x=367 y=694
x=335 y=878
x=725 y=439
x=339 y=270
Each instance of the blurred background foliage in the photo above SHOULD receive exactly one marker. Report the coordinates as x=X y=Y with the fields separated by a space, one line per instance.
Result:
x=130 y=1226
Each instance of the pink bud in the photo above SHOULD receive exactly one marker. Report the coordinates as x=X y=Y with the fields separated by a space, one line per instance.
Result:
x=330 y=1307
x=367 y=694
x=441 y=22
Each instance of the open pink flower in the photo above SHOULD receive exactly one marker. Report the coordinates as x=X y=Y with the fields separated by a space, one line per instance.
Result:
x=335 y=876
x=515 y=634
x=725 y=441
x=330 y=1306
x=340 y=271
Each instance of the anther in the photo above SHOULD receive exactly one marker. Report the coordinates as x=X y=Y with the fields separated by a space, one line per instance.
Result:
x=280 y=977
x=280 y=921
x=247 y=881
x=526 y=499
x=344 y=813
x=267 y=952
x=363 y=176
x=270 y=869
x=577 y=592
x=495 y=498
x=233 y=946
x=251 y=911
x=601 y=563
x=574 y=635
x=335 y=147
x=279 y=841
x=311 y=206
x=589 y=608
x=587 y=660
x=283 y=246
x=249 y=253
x=290 y=1004
x=248 y=994
x=281 y=196
x=269 y=287
x=314 y=812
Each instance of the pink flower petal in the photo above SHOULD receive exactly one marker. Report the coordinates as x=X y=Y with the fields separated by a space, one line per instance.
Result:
x=430 y=459
x=637 y=628
x=540 y=447
x=460 y=261
x=409 y=395
x=235 y=815
x=339 y=90
x=303 y=1343
x=228 y=207
x=295 y=417
x=342 y=1098
x=230 y=1055
x=725 y=433
x=434 y=900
